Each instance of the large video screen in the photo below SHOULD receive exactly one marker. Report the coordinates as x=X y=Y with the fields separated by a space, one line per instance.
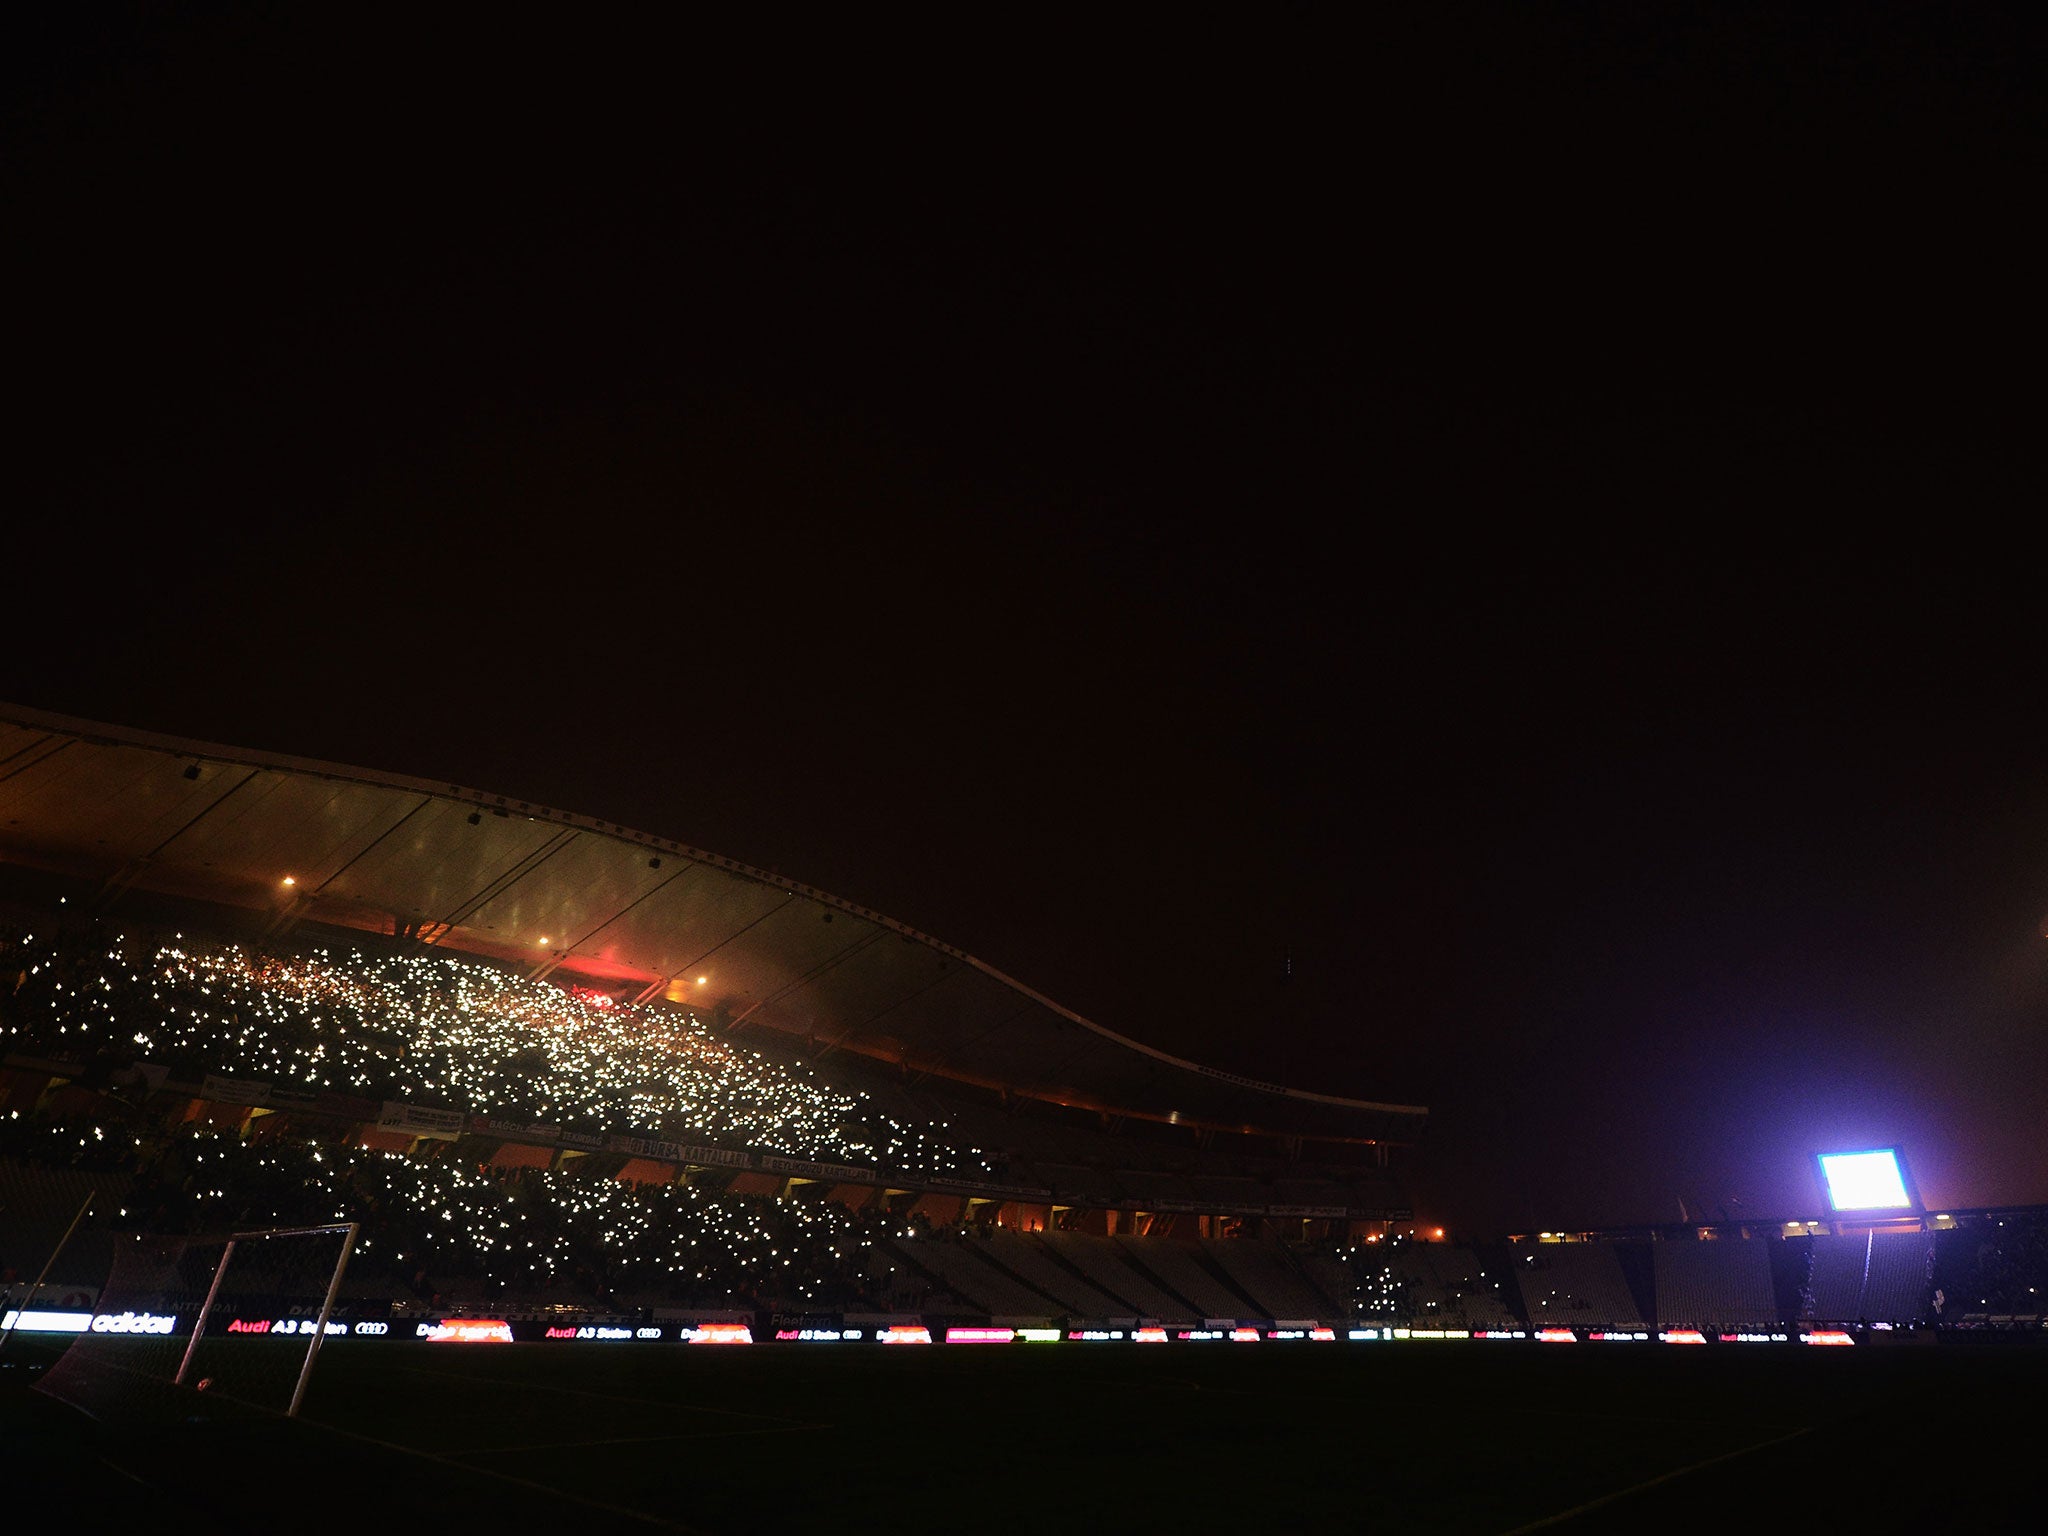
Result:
x=1873 y=1180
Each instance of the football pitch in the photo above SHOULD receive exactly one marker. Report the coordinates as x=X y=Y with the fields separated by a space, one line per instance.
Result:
x=1069 y=1438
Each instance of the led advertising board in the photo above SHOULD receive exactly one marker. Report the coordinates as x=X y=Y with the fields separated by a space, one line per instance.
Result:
x=465 y=1330
x=42 y=1321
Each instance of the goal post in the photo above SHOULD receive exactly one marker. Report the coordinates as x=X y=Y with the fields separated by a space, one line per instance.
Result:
x=347 y=1230
x=206 y=1327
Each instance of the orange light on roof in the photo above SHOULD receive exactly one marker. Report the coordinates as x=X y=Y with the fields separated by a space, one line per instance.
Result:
x=289 y=880
x=543 y=938
x=702 y=979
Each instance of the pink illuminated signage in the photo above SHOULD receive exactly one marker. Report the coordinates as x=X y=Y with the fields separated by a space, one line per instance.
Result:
x=466 y=1330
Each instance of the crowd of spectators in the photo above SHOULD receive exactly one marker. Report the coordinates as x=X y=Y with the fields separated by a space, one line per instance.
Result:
x=1992 y=1271
x=440 y=1030
x=445 y=1031
x=438 y=1229
x=440 y=1221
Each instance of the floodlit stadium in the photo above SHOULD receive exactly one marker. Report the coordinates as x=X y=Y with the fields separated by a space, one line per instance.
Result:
x=308 y=1066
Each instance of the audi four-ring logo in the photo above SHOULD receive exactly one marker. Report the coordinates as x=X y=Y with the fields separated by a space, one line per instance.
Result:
x=372 y=1329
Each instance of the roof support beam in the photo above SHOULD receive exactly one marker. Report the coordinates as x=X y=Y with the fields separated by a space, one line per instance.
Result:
x=130 y=872
x=564 y=953
x=654 y=989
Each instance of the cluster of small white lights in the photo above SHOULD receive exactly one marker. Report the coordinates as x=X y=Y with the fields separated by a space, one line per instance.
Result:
x=1376 y=1290
x=458 y=1033
x=537 y=1230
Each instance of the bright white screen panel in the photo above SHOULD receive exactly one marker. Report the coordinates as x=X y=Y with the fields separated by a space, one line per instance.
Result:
x=1865 y=1181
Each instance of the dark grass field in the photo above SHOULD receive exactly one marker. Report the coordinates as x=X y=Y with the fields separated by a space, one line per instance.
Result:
x=1429 y=1437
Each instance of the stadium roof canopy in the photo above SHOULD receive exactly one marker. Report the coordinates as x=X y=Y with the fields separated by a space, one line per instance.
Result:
x=293 y=841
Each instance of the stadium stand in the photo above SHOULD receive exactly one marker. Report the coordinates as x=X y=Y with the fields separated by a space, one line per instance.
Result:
x=197 y=1083
x=39 y=1206
x=506 y=1000
x=1333 y=1275
x=961 y=1270
x=1575 y=1285
x=446 y=1030
x=1177 y=1267
x=1268 y=1275
x=440 y=1230
x=1875 y=1276
x=1103 y=1262
x=1025 y=1258
x=1724 y=1283
x=1993 y=1272
x=1432 y=1282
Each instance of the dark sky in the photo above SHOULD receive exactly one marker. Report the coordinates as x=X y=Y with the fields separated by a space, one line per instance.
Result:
x=1529 y=519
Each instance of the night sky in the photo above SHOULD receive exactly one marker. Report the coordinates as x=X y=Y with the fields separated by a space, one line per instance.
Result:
x=1493 y=564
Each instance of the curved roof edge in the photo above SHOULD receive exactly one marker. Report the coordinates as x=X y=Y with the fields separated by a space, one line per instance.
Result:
x=204 y=751
x=1236 y=1078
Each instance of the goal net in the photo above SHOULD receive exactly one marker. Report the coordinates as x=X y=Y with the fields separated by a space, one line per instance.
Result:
x=191 y=1328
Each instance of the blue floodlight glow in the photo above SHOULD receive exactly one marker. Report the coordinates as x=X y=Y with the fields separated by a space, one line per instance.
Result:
x=1866 y=1181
